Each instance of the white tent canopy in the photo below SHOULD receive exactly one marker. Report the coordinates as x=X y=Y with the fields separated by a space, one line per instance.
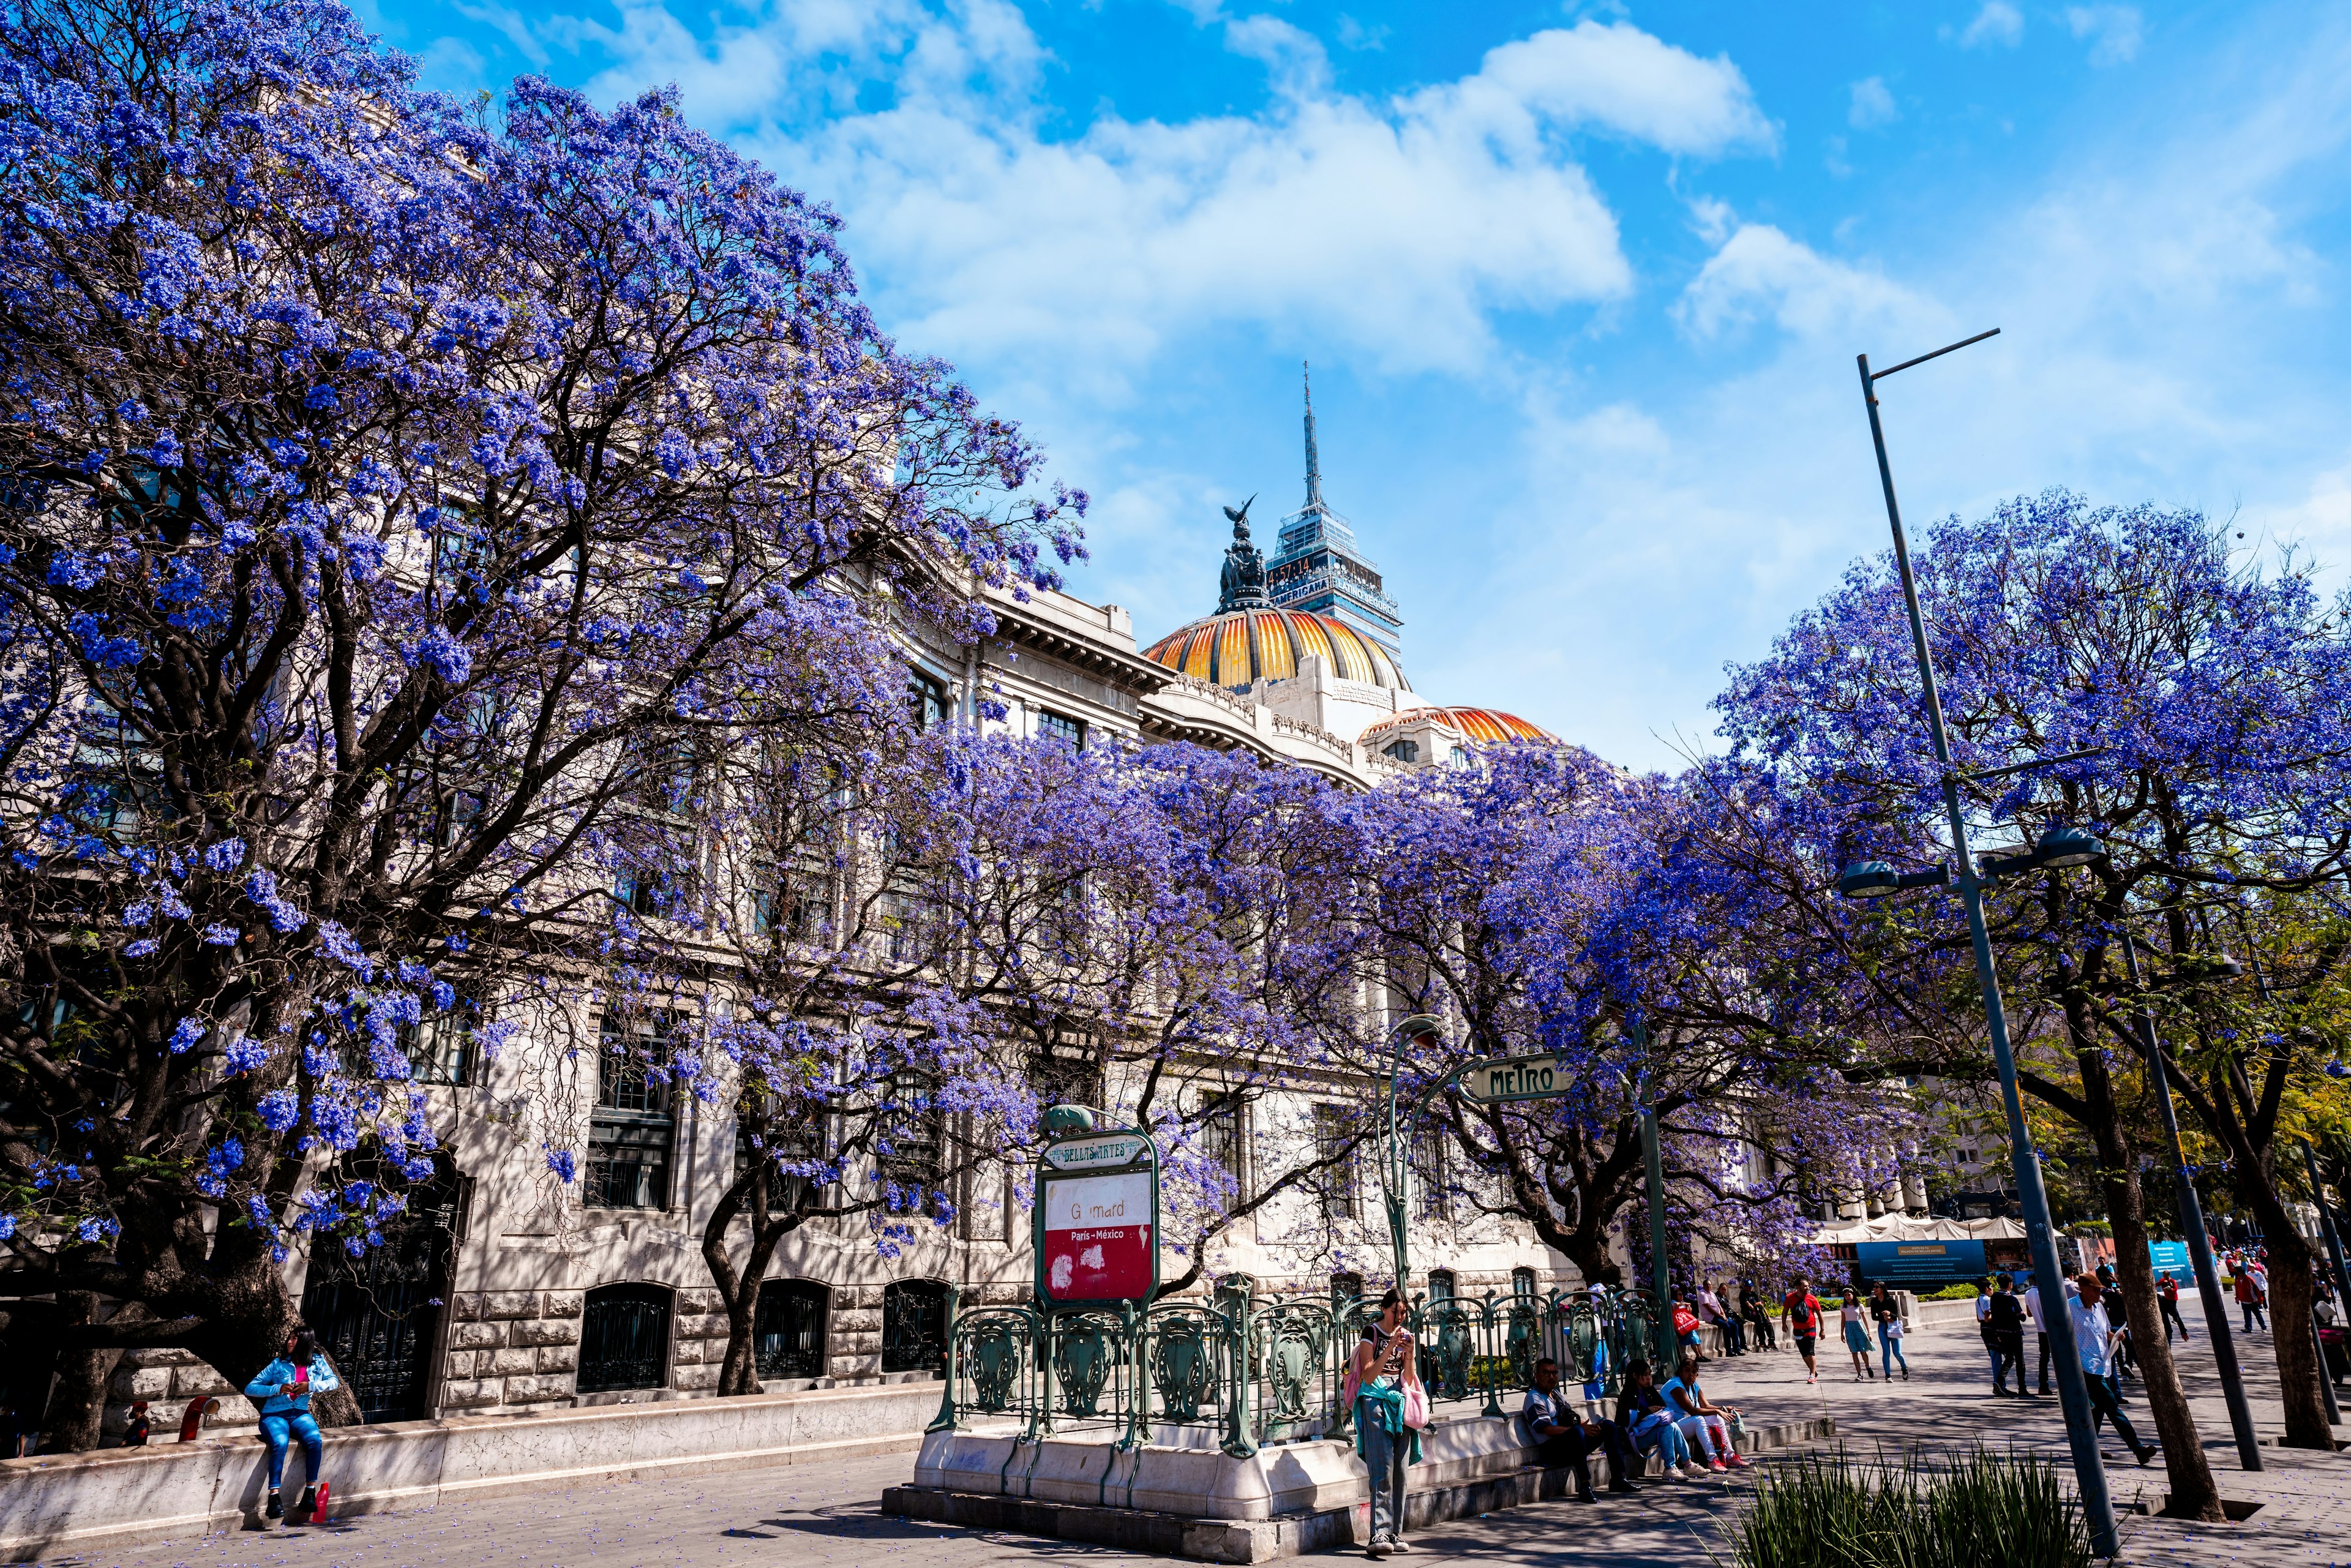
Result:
x=1902 y=1227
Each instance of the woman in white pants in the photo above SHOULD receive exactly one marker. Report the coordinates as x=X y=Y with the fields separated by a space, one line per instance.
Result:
x=1707 y=1425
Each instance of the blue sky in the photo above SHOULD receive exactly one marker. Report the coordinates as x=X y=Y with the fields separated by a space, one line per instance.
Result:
x=1582 y=285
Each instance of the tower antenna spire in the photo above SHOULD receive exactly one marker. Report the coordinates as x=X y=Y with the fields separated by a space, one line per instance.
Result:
x=1313 y=458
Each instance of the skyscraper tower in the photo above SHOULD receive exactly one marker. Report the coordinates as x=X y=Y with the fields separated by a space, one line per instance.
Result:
x=1317 y=566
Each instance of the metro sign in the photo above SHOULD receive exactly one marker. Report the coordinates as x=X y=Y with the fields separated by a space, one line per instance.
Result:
x=1097 y=1220
x=1500 y=1080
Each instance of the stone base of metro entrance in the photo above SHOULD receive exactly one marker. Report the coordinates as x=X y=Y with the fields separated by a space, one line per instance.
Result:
x=1212 y=1507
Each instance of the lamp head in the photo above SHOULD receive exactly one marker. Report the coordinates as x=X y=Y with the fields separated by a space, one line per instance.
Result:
x=2065 y=846
x=1867 y=879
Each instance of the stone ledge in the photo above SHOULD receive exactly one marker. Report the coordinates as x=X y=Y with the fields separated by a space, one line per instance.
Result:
x=1285 y=1535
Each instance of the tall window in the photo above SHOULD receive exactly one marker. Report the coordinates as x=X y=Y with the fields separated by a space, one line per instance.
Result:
x=1522 y=1281
x=926 y=700
x=1430 y=1173
x=661 y=869
x=1071 y=732
x=1334 y=1151
x=440 y=1045
x=910 y=1146
x=632 y=1128
x=914 y=1326
x=1440 y=1285
x=797 y=1137
x=1223 y=1121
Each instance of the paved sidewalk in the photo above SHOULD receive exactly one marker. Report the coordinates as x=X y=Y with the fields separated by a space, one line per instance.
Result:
x=829 y=1517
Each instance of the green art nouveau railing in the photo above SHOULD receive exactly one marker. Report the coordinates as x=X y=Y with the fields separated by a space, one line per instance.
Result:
x=1237 y=1372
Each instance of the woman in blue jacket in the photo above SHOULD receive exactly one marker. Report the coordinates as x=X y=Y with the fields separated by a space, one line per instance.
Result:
x=284 y=1389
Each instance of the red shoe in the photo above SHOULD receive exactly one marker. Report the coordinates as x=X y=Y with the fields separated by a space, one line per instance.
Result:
x=1739 y=1462
x=1717 y=1466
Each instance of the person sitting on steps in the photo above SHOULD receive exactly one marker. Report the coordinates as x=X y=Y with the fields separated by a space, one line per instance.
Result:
x=1562 y=1438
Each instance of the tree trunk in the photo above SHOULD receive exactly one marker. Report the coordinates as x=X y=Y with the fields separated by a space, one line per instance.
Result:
x=2194 y=1493
x=248 y=1315
x=2292 y=1327
x=77 y=1402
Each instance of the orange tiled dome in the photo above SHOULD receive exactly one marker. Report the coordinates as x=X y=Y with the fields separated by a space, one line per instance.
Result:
x=1489 y=726
x=1244 y=645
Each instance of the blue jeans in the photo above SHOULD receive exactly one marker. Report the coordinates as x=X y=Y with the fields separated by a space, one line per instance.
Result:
x=1889 y=1351
x=1385 y=1454
x=274 y=1429
x=1659 y=1433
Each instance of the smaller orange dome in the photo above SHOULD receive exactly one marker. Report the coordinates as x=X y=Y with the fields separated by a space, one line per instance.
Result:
x=1485 y=724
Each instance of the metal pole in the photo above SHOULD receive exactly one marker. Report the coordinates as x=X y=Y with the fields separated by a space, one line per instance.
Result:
x=1393 y=1170
x=2089 y=1467
x=2333 y=1254
x=1660 y=1276
x=2200 y=1244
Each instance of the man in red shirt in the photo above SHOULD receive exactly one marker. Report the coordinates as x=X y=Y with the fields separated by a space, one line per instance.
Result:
x=1802 y=1311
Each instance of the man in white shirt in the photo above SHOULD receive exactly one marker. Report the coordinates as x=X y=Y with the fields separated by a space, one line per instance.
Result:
x=2040 y=1330
x=2093 y=1339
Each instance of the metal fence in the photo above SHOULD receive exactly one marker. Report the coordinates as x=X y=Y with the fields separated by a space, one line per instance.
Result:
x=1237 y=1372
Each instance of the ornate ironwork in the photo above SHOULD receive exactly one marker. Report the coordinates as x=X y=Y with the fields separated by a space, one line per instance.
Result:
x=913 y=1325
x=623 y=1338
x=1085 y=1351
x=1182 y=1365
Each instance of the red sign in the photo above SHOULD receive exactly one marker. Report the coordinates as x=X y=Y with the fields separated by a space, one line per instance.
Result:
x=1098 y=1241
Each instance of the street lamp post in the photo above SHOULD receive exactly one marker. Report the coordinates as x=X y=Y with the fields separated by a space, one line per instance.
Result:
x=1394 y=1166
x=2089 y=1467
x=2200 y=1244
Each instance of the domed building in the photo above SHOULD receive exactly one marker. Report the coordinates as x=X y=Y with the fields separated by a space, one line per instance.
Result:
x=1313 y=640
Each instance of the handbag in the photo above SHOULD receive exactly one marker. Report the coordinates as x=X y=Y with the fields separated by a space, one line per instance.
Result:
x=1415 y=1405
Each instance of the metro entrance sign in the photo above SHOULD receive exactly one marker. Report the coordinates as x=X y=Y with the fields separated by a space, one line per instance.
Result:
x=1500 y=1080
x=1097 y=1224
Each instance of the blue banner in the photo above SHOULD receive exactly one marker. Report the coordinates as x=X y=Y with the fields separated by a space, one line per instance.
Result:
x=2171 y=1257
x=1927 y=1264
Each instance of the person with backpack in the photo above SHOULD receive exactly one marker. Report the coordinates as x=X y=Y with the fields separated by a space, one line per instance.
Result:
x=2252 y=1298
x=284 y=1389
x=1390 y=1407
x=1801 y=1311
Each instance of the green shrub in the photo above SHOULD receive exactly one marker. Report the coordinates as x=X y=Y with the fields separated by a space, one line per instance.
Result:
x=1982 y=1509
x=1952 y=1293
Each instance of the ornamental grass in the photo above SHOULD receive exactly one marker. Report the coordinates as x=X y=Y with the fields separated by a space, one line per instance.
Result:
x=1977 y=1509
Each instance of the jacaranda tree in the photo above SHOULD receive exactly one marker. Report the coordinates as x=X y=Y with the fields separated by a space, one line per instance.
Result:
x=2205 y=707
x=392 y=492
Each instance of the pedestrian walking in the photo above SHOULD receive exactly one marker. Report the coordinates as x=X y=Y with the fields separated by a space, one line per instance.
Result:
x=1757 y=1315
x=1984 y=1328
x=2006 y=1316
x=1649 y=1421
x=1801 y=1311
x=2251 y=1299
x=1887 y=1311
x=1563 y=1438
x=2037 y=1315
x=1390 y=1407
x=1856 y=1337
x=1706 y=1426
x=2093 y=1339
x=284 y=1389
x=2167 y=1296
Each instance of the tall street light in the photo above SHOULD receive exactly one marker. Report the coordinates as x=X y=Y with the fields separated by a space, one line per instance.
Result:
x=1395 y=1169
x=2089 y=1467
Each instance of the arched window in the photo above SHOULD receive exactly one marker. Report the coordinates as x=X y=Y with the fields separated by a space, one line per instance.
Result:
x=625 y=1338
x=787 y=1332
x=1440 y=1285
x=914 y=1326
x=1522 y=1281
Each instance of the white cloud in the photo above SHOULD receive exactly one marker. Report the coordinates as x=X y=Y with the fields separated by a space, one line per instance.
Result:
x=2113 y=31
x=1294 y=57
x=1998 y=24
x=1761 y=274
x=1872 y=105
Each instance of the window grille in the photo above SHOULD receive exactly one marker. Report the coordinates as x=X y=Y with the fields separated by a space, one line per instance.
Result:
x=914 y=1326
x=623 y=1338
x=632 y=1128
x=787 y=1330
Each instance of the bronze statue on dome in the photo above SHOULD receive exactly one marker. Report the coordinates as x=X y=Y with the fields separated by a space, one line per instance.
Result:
x=1243 y=584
